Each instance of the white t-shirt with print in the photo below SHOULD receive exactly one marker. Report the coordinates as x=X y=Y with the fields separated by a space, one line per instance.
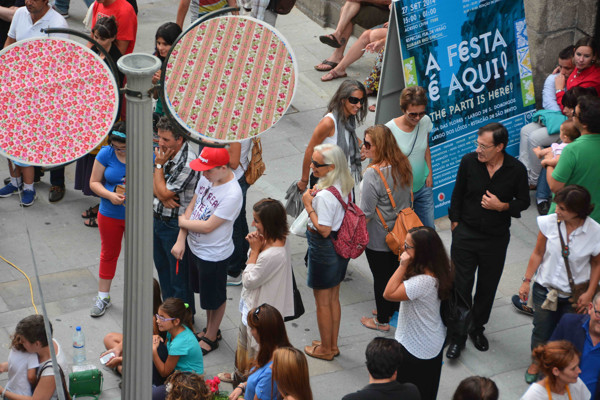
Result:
x=223 y=201
x=420 y=327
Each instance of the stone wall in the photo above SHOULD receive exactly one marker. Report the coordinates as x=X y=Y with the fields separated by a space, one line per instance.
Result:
x=551 y=25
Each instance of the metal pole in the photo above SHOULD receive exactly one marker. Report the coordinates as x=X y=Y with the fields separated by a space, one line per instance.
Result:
x=137 y=316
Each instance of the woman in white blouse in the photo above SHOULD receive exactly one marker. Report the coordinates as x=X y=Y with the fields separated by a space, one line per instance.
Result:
x=551 y=290
x=267 y=278
x=422 y=280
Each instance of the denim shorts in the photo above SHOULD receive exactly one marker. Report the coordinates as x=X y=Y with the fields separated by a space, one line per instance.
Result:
x=326 y=269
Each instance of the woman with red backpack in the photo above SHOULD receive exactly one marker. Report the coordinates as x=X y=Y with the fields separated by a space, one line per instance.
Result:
x=326 y=269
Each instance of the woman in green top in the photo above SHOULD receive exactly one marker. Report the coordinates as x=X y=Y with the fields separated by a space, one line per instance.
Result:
x=411 y=131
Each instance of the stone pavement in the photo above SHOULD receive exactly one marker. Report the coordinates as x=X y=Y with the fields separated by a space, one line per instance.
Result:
x=67 y=252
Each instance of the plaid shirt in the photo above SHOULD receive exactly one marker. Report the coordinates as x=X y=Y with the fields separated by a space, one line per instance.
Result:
x=180 y=179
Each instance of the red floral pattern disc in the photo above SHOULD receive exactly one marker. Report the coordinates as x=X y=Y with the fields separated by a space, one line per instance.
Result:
x=230 y=78
x=57 y=101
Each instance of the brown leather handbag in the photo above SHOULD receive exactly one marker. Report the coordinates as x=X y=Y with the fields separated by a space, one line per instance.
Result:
x=256 y=166
x=405 y=221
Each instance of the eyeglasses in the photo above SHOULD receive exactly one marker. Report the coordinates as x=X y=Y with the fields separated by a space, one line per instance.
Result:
x=119 y=149
x=367 y=145
x=317 y=165
x=355 y=100
x=163 y=319
x=257 y=311
x=415 y=115
x=407 y=246
x=482 y=146
x=596 y=311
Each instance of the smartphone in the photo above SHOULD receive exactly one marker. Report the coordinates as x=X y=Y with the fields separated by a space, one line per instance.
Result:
x=106 y=358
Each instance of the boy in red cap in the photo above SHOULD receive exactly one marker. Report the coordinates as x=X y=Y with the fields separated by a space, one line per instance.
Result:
x=207 y=224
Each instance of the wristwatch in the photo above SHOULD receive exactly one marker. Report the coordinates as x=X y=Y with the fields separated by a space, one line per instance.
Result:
x=526 y=280
x=158 y=166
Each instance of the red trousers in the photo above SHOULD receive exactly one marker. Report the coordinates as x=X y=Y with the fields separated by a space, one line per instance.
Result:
x=111 y=235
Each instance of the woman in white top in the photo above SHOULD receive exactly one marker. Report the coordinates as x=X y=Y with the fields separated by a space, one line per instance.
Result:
x=266 y=279
x=551 y=290
x=422 y=280
x=32 y=334
x=559 y=361
x=346 y=109
x=326 y=269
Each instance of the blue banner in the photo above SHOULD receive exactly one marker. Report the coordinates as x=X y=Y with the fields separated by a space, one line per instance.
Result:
x=472 y=57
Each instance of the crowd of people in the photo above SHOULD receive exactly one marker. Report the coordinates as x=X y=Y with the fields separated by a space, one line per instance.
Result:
x=202 y=241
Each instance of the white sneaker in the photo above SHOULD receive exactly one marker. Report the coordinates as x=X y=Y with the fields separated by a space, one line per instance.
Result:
x=234 y=280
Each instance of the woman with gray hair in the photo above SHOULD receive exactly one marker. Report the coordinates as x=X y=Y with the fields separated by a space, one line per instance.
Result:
x=347 y=109
x=326 y=269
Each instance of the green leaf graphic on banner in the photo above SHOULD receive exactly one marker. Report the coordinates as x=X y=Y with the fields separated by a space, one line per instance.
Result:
x=410 y=72
x=527 y=90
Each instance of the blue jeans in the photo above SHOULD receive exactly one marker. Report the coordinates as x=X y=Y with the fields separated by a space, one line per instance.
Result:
x=172 y=284
x=423 y=205
x=543 y=189
x=544 y=321
x=240 y=231
x=63 y=5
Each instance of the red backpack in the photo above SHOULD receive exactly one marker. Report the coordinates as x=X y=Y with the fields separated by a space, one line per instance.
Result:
x=352 y=237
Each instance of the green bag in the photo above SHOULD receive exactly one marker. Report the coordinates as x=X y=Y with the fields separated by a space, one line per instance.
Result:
x=86 y=383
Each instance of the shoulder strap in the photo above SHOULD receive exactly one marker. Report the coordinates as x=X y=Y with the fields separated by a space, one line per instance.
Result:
x=337 y=195
x=257 y=143
x=387 y=187
x=564 y=250
x=548 y=390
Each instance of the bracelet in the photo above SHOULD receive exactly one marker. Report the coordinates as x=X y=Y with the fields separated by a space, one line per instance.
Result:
x=243 y=388
x=311 y=211
x=304 y=180
x=526 y=280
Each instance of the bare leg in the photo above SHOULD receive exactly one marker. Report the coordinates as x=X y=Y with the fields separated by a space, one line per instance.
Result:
x=28 y=174
x=104 y=285
x=347 y=12
x=324 y=320
x=213 y=321
x=336 y=315
x=356 y=50
x=338 y=53
x=112 y=339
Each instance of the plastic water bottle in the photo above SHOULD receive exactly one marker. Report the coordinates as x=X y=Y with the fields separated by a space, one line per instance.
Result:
x=78 y=347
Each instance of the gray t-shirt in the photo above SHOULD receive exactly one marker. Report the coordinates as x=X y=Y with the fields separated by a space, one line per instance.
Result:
x=374 y=195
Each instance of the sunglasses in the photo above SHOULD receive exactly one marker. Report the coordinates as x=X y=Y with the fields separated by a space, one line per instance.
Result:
x=415 y=115
x=163 y=319
x=355 y=100
x=317 y=165
x=257 y=311
x=367 y=145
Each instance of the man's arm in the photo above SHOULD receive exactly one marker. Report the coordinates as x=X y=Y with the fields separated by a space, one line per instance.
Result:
x=457 y=198
x=9 y=41
x=184 y=6
x=521 y=200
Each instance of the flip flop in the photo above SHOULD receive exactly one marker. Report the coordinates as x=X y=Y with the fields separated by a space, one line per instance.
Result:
x=331 y=75
x=310 y=351
x=330 y=40
x=336 y=351
x=331 y=65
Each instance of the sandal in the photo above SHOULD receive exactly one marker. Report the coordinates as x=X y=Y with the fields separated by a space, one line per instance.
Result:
x=372 y=107
x=219 y=337
x=331 y=75
x=330 y=40
x=229 y=377
x=311 y=352
x=91 y=212
x=336 y=351
x=92 y=222
x=213 y=345
x=372 y=323
x=329 y=65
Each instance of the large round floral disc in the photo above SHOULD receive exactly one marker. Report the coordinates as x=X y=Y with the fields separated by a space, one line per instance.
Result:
x=230 y=78
x=57 y=101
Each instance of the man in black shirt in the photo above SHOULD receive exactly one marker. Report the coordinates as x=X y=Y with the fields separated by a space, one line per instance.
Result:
x=491 y=187
x=384 y=357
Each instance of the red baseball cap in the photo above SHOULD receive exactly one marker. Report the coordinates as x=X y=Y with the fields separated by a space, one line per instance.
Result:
x=210 y=158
